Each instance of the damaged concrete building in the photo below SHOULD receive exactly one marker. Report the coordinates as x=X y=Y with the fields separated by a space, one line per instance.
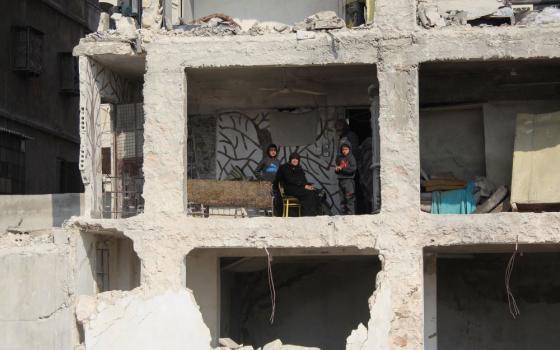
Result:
x=178 y=98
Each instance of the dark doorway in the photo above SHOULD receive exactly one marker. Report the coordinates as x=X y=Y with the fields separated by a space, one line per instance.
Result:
x=359 y=120
x=319 y=299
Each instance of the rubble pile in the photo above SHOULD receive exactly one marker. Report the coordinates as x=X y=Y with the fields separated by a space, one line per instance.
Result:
x=323 y=20
x=229 y=344
x=222 y=25
x=547 y=16
x=214 y=24
x=482 y=13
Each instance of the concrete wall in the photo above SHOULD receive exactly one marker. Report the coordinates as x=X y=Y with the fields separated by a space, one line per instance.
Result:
x=453 y=141
x=33 y=212
x=124 y=265
x=163 y=235
x=203 y=278
x=499 y=134
x=473 y=308
x=36 y=297
x=288 y=11
x=34 y=105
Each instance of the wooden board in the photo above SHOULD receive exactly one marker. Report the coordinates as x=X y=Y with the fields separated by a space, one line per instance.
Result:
x=536 y=159
x=246 y=194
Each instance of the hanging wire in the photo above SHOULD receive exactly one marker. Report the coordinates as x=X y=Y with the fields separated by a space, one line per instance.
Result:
x=513 y=309
x=271 y=286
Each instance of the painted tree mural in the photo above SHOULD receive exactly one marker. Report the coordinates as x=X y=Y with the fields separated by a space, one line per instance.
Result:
x=97 y=85
x=242 y=138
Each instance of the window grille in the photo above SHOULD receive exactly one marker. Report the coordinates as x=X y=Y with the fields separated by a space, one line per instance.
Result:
x=12 y=163
x=102 y=266
x=69 y=75
x=28 y=50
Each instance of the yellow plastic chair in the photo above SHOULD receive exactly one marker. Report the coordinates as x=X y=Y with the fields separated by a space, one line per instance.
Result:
x=289 y=202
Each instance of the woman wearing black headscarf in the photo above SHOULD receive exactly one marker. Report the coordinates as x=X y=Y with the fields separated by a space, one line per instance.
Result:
x=292 y=177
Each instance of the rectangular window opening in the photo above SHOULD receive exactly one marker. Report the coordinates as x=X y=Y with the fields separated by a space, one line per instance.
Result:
x=241 y=137
x=466 y=300
x=321 y=295
x=489 y=136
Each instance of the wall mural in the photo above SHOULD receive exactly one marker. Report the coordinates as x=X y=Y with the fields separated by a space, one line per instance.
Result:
x=97 y=84
x=242 y=138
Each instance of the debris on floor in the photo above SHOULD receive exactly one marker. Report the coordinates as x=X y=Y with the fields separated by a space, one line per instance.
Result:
x=482 y=13
x=222 y=25
x=216 y=18
x=228 y=344
x=448 y=195
x=323 y=20
x=547 y=16
x=215 y=24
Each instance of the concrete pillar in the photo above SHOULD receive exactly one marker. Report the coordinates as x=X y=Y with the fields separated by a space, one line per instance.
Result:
x=430 y=302
x=399 y=139
x=395 y=14
x=404 y=275
x=203 y=278
x=165 y=138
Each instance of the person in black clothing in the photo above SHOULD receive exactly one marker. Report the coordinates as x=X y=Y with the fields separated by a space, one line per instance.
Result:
x=292 y=177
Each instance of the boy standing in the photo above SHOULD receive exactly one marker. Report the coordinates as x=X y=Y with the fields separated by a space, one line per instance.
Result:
x=346 y=169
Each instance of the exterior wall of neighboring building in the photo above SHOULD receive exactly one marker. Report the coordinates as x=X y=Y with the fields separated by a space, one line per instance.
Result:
x=34 y=103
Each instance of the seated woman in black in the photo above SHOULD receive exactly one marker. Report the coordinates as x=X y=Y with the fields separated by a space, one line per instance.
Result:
x=292 y=177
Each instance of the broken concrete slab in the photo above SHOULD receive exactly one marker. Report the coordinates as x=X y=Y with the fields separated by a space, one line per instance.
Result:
x=323 y=20
x=229 y=343
x=141 y=321
x=297 y=347
x=274 y=345
x=104 y=22
x=304 y=35
x=126 y=26
x=357 y=338
x=473 y=8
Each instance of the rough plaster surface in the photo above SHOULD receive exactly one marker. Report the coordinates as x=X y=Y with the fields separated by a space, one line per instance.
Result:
x=37 y=294
x=170 y=320
x=163 y=235
x=35 y=212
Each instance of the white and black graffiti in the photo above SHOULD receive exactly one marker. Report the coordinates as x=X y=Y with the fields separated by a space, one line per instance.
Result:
x=97 y=85
x=242 y=138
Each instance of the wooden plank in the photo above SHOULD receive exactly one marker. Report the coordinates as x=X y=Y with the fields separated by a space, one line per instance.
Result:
x=236 y=194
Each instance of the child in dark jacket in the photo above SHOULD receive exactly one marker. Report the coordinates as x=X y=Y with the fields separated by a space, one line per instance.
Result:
x=346 y=169
x=267 y=168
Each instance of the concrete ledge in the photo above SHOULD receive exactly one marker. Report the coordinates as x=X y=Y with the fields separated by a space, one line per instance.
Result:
x=34 y=212
x=97 y=48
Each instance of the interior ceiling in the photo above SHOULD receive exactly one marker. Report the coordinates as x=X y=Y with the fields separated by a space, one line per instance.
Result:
x=468 y=82
x=468 y=250
x=211 y=89
x=129 y=67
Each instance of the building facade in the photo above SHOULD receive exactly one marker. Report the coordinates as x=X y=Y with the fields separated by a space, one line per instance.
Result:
x=182 y=93
x=39 y=100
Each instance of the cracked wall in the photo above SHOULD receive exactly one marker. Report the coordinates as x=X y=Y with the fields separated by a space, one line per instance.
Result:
x=36 y=300
x=163 y=235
